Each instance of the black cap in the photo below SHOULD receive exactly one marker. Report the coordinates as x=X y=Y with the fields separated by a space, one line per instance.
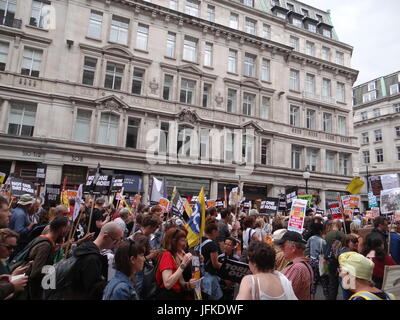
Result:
x=291 y=236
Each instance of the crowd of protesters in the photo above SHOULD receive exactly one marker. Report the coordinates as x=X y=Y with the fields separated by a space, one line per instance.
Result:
x=115 y=254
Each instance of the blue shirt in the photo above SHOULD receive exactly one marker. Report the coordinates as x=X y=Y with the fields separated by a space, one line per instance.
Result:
x=395 y=246
x=19 y=221
x=120 y=288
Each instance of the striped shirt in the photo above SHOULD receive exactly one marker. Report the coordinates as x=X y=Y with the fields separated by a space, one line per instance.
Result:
x=300 y=273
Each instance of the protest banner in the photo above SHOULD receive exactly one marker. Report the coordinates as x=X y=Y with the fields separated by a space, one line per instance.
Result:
x=349 y=212
x=247 y=205
x=390 y=181
x=346 y=202
x=219 y=204
x=88 y=186
x=103 y=185
x=117 y=183
x=372 y=201
x=335 y=210
x=354 y=202
x=289 y=199
x=52 y=194
x=136 y=200
x=233 y=270
x=20 y=187
x=297 y=215
x=320 y=211
x=376 y=184
x=282 y=203
x=375 y=212
x=269 y=206
x=397 y=216
x=391 y=280
x=164 y=204
x=211 y=203
x=390 y=200
x=41 y=173
x=307 y=197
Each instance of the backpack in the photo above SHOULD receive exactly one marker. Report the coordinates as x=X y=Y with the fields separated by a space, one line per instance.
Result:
x=370 y=296
x=150 y=287
x=22 y=257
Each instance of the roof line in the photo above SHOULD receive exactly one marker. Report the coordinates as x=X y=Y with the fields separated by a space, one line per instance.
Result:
x=389 y=75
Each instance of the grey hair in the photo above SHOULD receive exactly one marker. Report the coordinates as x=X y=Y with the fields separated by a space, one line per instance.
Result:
x=354 y=227
x=124 y=212
x=59 y=209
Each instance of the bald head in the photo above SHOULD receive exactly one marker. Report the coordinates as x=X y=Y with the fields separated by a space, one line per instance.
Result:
x=60 y=211
x=111 y=228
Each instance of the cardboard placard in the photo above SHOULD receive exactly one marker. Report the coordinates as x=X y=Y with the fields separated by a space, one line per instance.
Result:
x=117 y=183
x=233 y=270
x=390 y=201
x=270 y=205
x=103 y=185
x=297 y=215
x=164 y=203
x=20 y=187
x=52 y=194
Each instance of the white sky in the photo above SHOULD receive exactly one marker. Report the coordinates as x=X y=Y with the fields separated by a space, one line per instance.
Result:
x=372 y=28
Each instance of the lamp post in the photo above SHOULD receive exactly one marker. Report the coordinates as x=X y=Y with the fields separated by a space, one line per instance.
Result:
x=306 y=176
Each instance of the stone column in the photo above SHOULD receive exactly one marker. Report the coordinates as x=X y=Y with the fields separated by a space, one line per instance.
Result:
x=145 y=178
x=214 y=189
x=5 y=110
x=322 y=204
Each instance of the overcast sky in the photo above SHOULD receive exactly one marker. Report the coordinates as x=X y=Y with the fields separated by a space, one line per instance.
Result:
x=372 y=28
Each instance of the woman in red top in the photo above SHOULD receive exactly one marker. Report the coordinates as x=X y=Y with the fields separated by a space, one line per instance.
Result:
x=173 y=262
x=379 y=257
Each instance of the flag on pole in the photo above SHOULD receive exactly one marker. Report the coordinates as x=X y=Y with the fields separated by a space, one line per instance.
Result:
x=157 y=190
x=355 y=186
x=197 y=221
x=177 y=204
x=78 y=201
x=2 y=177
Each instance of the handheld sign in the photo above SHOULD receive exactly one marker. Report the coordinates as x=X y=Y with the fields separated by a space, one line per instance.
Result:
x=297 y=215
x=233 y=270
x=117 y=183
x=20 y=187
x=270 y=205
x=52 y=194
x=102 y=185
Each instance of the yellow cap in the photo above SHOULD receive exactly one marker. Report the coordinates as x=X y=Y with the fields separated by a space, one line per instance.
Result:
x=357 y=265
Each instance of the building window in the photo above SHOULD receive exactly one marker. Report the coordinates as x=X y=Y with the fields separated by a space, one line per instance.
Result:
x=164 y=135
x=38 y=14
x=377 y=113
x=188 y=90
x=264 y=151
x=297 y=22
x=95 y=22
x=398 y=153
x=340 y=93
x=364 y=115
x=206 y=95
x=108 y=133
x=132 y=133
x=249 y=3
x=397 y=132
x=249 y=65
x=295 y=43
x=204 y=142
x=330 y=162
x=266 y=31
x=190 y=49
x=327 y=33
x=184 y=140
x=247 y=148
x=248 y=104
x=89 y=70
x=232 y=61
x=3 y=55
x=231 y=101
x=173 y=4
x=371 y=86
x=229 y=145
x=305 y=12
x=327 y=122
x=7 y=12
x=192 y=7
x=82 y=125
x=294 y=80
x=344 y=164
x=312 y=28
x=168 y=85
x=394 y=89
x=211 y=13
x=397 y=108
x=326 y=88
x=31 y=62
x=265 y=106
x=342 y=125
x=379 y=155
x=208 y=55
x=326 y=54
x=142 y=37
x=311 y=119
x=281 y=15
x=296 y=157
x=265 y=70
x=250 y=26
x=319 y=18
x=366 y=157
x=171 y=40
x=114 y=74
x=378 y=135
x=310 y=83
x=137 y=80
x=340 y=58
x=119 y=30
x=21 y=120
x=365 y=137
x=294 y=116
x=312 y=159
x=234 y=21
x=369 y=96
x=290 y=6
x=310 y=48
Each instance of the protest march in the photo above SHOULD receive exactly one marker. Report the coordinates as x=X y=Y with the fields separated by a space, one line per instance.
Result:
x=97 y=243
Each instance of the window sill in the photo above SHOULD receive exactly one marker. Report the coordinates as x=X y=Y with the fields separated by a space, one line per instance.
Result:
x=36 y=28
x=94 y=39
x=170 y=58
x=375 y=142
x=266 y=81
x=208 y=67
x=294 y=91
x=342 y=103
x=141 y=50
x=364 y=144
x=120 y=44
x=233 y=73
x=190 y=62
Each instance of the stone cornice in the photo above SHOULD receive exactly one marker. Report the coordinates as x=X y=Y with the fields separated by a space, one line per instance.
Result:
x=377 y=119
x=17 y=33
x=372 y=103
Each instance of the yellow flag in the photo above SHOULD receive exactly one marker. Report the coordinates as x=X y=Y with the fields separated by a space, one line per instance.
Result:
x=197 y=221
x=355 y=186
x=188 y=208
x=2 y=177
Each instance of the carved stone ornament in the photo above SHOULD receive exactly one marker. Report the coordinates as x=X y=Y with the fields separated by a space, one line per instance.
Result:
x=112 y=105
x=219 y=99
x=188 y=116
x=154 y=86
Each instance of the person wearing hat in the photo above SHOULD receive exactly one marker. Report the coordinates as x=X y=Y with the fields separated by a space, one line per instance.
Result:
x=280 y=260
x=356 y=273
x=299 y=270
x=20 y=222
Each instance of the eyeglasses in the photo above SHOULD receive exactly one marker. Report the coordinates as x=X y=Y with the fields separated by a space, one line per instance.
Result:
x=9 y=246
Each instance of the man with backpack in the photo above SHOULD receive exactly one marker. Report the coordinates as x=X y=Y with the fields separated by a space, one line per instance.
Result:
x=42 y=252
x=83 y=276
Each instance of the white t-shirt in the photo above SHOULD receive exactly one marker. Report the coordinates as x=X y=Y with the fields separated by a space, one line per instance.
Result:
x=288 y=293
x=246 y=237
